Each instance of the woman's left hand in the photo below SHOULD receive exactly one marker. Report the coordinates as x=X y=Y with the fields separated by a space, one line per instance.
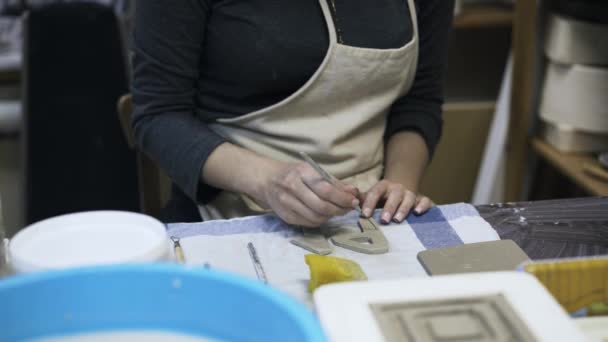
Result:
x=397 y=199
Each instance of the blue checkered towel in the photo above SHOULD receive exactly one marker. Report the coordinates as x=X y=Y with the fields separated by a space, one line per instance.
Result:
x=223 y=244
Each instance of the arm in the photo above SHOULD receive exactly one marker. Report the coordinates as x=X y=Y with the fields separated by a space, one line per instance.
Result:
x=167 y=42
x=414 y=122
x=294 y=191
x=168 y=39
x=407 y=156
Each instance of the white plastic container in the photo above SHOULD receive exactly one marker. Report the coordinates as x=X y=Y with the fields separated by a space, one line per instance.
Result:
x=567 y=139
x=88 y=238
x=571 y=41
x=575 y=95
x=595 y=328
x=346 y=310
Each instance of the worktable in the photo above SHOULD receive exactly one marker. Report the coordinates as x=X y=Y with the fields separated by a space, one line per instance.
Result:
x=553 y=229
x=543 y=229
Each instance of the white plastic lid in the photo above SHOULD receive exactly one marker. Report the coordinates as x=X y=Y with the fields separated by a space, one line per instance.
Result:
x=88 y=238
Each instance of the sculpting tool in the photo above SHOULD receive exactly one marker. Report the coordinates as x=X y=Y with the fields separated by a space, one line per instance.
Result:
x=257 y=265
x=370 y=240
x=179 y=252
x=328 y=177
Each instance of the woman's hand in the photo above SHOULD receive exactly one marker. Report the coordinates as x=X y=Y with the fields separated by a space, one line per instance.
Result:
x=300 y=196
x=294 y=191
x=396 y=199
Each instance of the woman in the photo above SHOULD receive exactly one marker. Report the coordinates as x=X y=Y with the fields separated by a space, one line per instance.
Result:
x=227 y=92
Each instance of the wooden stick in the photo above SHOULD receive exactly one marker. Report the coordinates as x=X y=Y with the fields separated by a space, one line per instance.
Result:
x=177 y=249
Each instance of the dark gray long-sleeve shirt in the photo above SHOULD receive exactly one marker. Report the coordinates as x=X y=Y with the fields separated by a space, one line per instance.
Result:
x=198 y=60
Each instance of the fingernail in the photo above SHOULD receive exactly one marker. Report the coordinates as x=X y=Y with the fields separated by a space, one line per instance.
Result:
x=355 y=203
x=398 y=217
x=367 y=212
x=386 y=217
x=418 y=211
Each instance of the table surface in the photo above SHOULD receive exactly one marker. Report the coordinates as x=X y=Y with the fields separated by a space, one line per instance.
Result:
x=552 y=229
x=555 y=228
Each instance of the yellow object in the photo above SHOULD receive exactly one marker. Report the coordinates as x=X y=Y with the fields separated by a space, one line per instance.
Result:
x=575 y=283
x=179 y=255
x=328 y=269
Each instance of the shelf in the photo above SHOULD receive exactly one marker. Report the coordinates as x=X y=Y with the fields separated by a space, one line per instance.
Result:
x=484 y=17
x=571 y=165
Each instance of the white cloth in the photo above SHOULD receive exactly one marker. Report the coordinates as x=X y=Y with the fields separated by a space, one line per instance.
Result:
x=223 y=245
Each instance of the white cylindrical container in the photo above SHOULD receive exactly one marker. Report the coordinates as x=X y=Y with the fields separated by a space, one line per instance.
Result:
x=567 y=139
x=576 y=96
x=88 y=238
x=571 y=41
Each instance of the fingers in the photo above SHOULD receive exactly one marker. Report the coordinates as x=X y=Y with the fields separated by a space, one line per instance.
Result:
x=409 y=200
x=320 y=197
x=290 y=217
x=423 y=205
x=372 y=197
x=330 y=194
x=394 y=199
x=294 y=212
x=340 y=195
x=398 y=202
x=351 y=189
x=302 y=197
x=300 y=215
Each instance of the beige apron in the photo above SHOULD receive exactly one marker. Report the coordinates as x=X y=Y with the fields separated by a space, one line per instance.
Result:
x=338 y=116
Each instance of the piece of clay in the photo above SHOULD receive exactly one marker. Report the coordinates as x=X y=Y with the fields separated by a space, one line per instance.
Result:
x=484 y=318
x=488 y=256
x=370 y=240
x=367 y=242
x=313 y=242
x=367 y=224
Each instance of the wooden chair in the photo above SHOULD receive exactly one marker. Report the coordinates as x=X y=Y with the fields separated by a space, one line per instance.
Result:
x=150 y=178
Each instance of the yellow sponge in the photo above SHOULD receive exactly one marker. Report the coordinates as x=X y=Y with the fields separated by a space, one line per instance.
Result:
x=328 y=269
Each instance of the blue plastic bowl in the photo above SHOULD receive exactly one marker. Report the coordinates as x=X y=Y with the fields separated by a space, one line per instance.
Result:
x=157 y=297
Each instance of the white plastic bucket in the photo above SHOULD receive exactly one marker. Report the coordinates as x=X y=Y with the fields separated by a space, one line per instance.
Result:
x=88 y=238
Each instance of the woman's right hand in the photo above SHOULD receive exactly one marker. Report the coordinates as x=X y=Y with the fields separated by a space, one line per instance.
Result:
x=300 y=196
x=294 y=191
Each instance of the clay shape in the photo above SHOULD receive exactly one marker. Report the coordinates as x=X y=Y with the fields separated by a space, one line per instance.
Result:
x=367 y=224
x=460 y=326
x=488 y=256
x=314 y=242
x=368 y=242
x=484 y=318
